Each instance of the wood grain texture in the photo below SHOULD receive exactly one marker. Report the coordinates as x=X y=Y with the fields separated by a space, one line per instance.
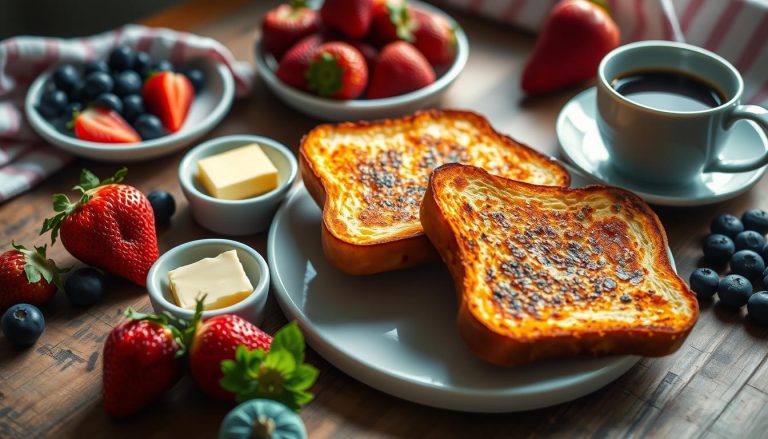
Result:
x=715 y=386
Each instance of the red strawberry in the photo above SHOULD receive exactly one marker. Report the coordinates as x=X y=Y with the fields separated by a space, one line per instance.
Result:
x=111 y=226
x=169 y=95
x=27 y=276
x=292 y=69
x=391 y=20
x=337 y=70
x=103 y=125
x=369 y=52
x=400 y=69
x=285 y=25
x=216 y=340
x=142 y=359
x=350 y=17
x=576 y=36
x=434 y=37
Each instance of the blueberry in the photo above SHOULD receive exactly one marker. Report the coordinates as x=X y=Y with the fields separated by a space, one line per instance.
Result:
x=163 y=65
x=127 y=82
x=196 y=77
x=757 y=306
x=66 y=77
x=109 y=100
x=121 y=58
x=22 y=324
x=133 y=106
x=142 y=63
x=52 y=103
x=85 y=286
x=726 y=224
x=163 y=206
x=718 y=248
x=747 y=263
x=755 y=219
x=704 y=282
x=149 y=126
x=95 y=66
x=734 y=290
x=97 y=83
x=750 y=240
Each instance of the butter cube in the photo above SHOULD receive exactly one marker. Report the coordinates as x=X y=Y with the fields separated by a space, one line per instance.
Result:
x=240 y=173
x=222 y=279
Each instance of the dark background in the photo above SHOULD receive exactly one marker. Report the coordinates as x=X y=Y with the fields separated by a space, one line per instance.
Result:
x=69 y=18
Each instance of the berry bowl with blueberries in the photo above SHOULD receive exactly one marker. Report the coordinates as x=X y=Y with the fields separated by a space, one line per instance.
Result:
x=129 y=106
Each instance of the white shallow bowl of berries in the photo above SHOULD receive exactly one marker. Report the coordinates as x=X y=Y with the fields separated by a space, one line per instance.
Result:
x=362 y=108
x=209 y=106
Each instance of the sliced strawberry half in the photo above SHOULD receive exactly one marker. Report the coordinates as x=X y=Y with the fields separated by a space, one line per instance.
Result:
x=105 y=126
x=169 y=95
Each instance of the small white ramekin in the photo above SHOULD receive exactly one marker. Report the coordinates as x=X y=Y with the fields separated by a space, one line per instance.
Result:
x=251 y=308
x=236 y=217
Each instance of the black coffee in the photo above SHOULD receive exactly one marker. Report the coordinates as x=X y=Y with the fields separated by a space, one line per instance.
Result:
x=668 y=90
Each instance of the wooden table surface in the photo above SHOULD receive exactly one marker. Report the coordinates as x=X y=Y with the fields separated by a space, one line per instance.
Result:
x=716 y=385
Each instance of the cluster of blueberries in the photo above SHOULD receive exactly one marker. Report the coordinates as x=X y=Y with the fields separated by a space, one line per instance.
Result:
x=22 y=324
x=115 y=84
x=742 y=244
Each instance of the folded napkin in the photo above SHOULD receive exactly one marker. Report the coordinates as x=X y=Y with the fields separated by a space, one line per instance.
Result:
x=735 y=29
x=26 y=159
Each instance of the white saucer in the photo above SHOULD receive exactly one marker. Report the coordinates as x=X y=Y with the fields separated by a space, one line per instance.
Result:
x=582 y=145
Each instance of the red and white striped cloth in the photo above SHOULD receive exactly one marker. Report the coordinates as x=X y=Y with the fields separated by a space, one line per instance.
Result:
x=735 y=29
x=25 y=159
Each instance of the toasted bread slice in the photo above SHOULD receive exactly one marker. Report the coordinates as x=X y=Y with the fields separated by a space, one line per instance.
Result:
x=370 y=178
x=545 y=272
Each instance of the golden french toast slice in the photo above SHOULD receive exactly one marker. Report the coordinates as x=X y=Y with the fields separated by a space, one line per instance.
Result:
x=545 y=272
x=370 y=178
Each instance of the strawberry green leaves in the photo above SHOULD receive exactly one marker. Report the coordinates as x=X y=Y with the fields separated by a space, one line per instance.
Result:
x=38 y=267
x=279 y=374
x=64 y=207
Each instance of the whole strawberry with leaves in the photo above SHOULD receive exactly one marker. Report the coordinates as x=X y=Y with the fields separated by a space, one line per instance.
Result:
x=279 y=374
x=27 y=276
x=143 y=357
x=230 y=358
x=111 y=226
x=216 y=340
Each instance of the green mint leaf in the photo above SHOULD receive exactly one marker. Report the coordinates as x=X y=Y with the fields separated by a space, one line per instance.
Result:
x=291 y=339
x=303 y=377
x=280 y=360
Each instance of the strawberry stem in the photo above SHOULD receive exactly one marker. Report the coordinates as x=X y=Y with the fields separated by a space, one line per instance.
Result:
x=175 y=325
x=325 y=75
x=400 y=17
x=38 y=267
x=298 y=4
x=64 y=207
x=601 y=4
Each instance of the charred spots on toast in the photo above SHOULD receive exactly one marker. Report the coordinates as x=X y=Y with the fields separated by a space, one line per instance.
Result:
x=549 y=261
x=438 y=152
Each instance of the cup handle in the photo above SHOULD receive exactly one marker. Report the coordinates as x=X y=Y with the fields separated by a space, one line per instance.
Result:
x=756 y=114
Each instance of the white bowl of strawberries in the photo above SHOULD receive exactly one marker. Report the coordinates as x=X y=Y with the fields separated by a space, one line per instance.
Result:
x=130 y=106
x=360 y=59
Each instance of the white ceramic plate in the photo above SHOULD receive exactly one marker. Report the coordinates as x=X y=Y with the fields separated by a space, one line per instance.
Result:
x=397 y=331
x=208 y=109
x=582 y=145
x=368 y=109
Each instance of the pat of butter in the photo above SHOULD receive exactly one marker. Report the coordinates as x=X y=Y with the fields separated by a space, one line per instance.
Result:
x=240 y=173
x=222 y=279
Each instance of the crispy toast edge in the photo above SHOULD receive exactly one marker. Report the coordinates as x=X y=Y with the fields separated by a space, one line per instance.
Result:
x=504 y=350
x=399 y=251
